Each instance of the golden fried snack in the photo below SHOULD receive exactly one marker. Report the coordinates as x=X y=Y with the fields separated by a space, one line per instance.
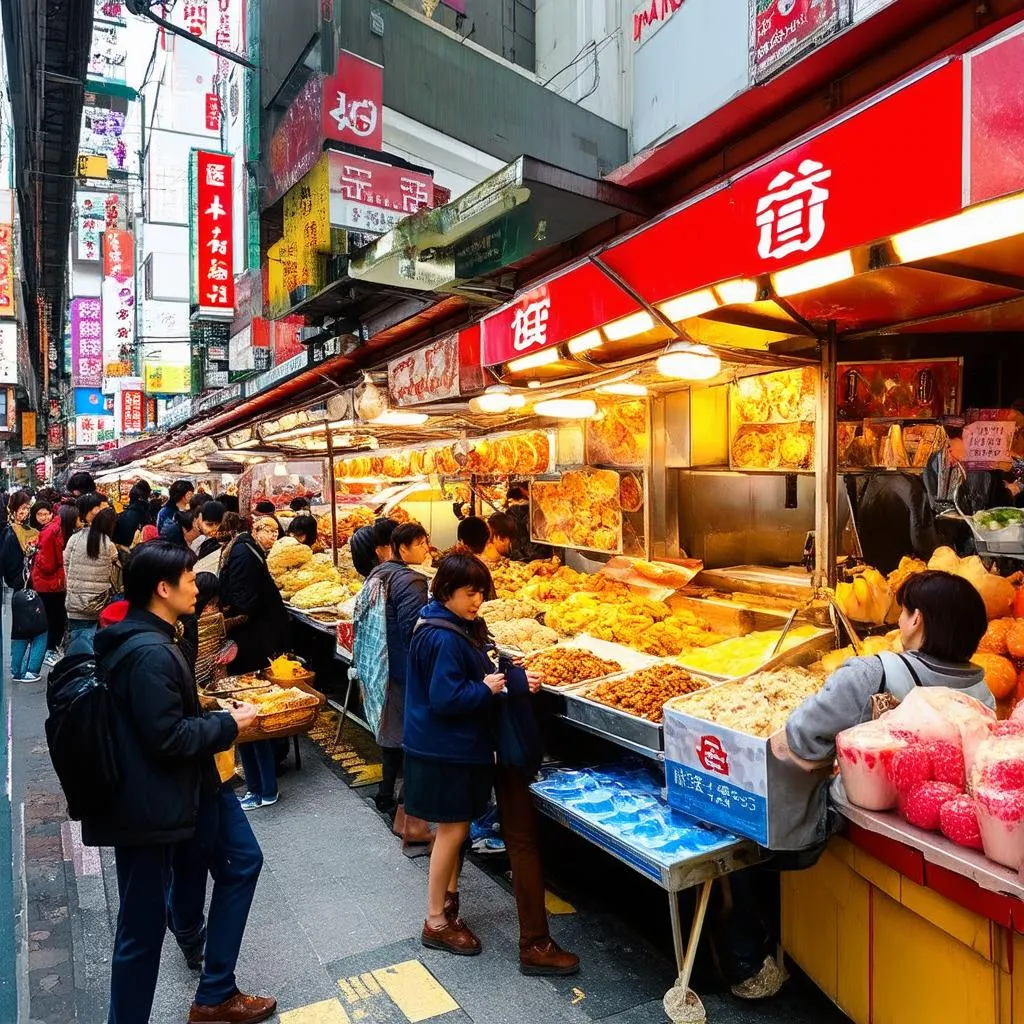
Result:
x=645 y=692
x=566 y=666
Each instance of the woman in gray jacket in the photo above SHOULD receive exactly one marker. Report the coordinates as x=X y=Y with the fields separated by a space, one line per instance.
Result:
x=93 y=570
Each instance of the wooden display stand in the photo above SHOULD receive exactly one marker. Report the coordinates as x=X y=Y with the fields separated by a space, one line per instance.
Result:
x=890 y=937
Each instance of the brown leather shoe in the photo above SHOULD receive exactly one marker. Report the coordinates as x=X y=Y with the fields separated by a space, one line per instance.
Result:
x=546 y=957
x=239 y=1009
x=417 y=831
x=454 y=937
x=398 y=825
x=451 y=906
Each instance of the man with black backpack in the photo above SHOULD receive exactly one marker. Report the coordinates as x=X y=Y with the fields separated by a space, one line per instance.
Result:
x=168 y=794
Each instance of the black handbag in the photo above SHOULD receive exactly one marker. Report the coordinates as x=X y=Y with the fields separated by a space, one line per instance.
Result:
x=28 y=616
x=517 y=734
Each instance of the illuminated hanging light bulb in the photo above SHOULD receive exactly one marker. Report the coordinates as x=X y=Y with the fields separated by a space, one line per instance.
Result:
x=684 y=360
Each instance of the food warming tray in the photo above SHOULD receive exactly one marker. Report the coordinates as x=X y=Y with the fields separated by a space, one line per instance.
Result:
x=630 y=660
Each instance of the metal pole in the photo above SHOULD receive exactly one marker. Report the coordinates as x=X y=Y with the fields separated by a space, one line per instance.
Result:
x=827 y=478
x=334 y=496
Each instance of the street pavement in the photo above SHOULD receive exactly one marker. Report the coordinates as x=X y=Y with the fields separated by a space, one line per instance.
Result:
x=334 y=929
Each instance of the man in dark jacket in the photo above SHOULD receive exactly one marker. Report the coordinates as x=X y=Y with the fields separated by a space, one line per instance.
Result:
x=170 y=788
x=407 y=594
x=135 y=516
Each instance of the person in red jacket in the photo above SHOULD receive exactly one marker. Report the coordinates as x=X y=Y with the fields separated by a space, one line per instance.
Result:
x=48 y=579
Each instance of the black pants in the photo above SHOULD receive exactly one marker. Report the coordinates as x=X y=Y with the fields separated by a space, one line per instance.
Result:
x=56 y=618
x=747 y=932
x=391 y=770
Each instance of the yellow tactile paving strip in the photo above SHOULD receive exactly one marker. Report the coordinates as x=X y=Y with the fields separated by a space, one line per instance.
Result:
x=330 y=1011
x=415 y=991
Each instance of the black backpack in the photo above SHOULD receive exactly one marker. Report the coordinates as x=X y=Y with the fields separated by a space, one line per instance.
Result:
x=80 y=726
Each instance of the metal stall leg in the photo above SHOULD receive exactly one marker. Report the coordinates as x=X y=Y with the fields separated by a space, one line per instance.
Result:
x=344 y=714
x=298 y=756
x=682 y=1005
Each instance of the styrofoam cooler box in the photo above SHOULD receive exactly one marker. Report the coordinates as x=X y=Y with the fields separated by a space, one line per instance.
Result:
x=733 y=780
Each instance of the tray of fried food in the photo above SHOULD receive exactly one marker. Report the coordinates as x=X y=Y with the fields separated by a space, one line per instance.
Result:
x=279 y=708
x=563 y=666
x=509 y=609
x=522 y=636
x=643 y=694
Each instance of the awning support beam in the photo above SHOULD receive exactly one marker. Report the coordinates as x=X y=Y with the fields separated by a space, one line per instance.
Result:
x=620 y=282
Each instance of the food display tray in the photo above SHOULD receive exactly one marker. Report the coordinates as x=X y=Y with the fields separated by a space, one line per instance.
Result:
x=640 y=735
x=619 y=808
x=306 y=620
x=822 y=641
x=630 y=660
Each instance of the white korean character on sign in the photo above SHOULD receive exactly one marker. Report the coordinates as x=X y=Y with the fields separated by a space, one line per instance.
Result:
x=791 y=215
x=414 y=195
x=217 y=245
x=358 y=116
x=215 y=175
x=530 y=325
x=357 y=184
x=218 y=295
x=216 y=209
x=218 y=270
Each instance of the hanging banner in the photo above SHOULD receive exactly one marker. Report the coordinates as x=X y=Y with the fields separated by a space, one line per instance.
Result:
x=353 y=103
x=118 y=295
x=7 y=307
x=28 y=430
x=210 y=234
x=782 y=30
x=86 y=342
x=129 y=410
x=90 y=225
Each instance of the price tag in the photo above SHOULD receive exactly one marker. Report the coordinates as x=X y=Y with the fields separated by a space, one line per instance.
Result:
x=988 y=443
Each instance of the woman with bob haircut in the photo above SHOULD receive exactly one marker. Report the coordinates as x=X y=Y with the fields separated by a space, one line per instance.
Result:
x=453 y=680
x=942 y=620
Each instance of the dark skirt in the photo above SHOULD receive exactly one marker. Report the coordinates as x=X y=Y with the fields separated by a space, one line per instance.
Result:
x=445 y=791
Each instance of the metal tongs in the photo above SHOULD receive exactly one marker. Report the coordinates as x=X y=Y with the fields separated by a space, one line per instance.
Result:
x=825 y=598
x=782 y=635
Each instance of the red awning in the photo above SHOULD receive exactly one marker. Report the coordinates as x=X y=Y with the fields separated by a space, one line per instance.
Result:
x=923 y=150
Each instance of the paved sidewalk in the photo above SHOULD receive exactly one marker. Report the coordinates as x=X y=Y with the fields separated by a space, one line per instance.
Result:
x=334 y=929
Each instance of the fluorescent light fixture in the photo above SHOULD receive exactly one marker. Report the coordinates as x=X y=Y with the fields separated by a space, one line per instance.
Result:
x=534 y=385
x=625 y=389
x=685 y=361
x=544 y=357
x=398 y=418
x=586 y=342
x=740 y=291
x=498 y=398
x=987 y=223
x=567 y=408
x=692 y=304
x=814 y=274
x=628 y=326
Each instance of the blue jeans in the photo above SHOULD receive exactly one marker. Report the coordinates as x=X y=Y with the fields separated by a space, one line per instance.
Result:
x=260 y=767
x=147 y=877
x=81 y=626
x=224 y=846
x=27 y=656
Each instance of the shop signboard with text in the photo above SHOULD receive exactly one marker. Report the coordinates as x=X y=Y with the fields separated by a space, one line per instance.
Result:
x=90 y=225
x=118 y=301
x=8 y=352
x=782 y=30
x=297 y=141
x=353 y=103
x=7 y=302
x=372 y=196
x=167 y=378
x=428 y=374
x=210 y=234
x=86 y=342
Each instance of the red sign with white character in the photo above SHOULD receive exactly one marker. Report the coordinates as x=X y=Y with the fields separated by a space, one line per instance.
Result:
x=427 y=375
x=823 y=195
x=118 y=255
x=554 y=312
x=132 y=418
x=358 y=184
x=212 y=112
x=353 y=102
x=713 y=756
x=213 y=281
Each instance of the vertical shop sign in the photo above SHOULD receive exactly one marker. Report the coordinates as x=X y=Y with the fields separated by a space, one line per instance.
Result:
x=213 y=281
x=8 y=353
x=118 y=293
x=86 y=342
x=90 y=225
x=6 y=270
x=222 y=38
x=131 y=409
x=196 y=14
x=54 y=435
x=297 y=141
x=212 y=112
x=353 y=102
x=307 y=223
x=112 y=213
x=782 y=30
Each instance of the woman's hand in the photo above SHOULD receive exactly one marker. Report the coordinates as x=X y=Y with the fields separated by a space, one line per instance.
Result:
x=495 y=682
x=535 y=681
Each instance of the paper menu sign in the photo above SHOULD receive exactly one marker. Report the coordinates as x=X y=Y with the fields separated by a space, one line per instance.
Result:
x=987 y=443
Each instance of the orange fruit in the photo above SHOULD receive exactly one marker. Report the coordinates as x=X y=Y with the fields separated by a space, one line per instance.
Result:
x=1000 y=675
x=995 y=639
x=1015 y=638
